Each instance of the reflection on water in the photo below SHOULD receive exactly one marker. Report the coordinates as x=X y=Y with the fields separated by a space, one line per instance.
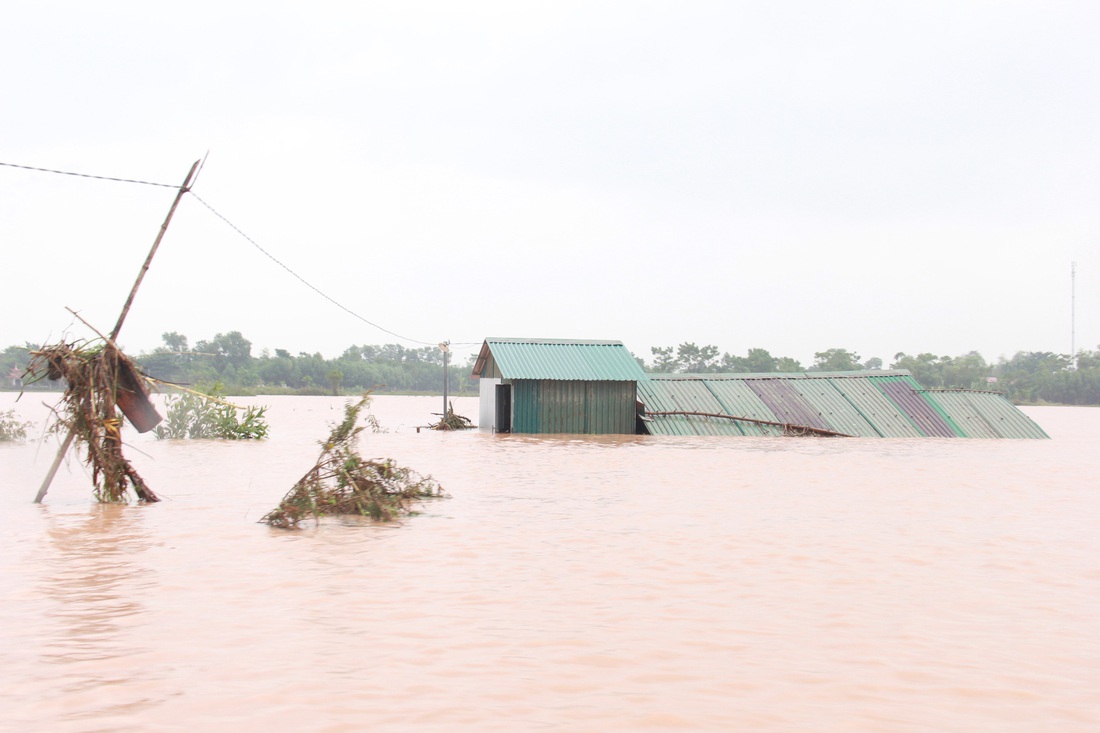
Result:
x=87 y=587
x=571 y=583
x=93 y=585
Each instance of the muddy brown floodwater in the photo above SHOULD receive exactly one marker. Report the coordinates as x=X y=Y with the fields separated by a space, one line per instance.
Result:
x=570 y=584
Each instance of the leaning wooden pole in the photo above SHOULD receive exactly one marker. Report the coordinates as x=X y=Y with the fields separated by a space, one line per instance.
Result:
x=785 y=425
x=68 y=442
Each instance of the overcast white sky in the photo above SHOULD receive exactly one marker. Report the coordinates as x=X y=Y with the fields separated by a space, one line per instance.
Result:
x=795 y=176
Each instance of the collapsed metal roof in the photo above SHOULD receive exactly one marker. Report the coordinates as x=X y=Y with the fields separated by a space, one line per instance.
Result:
x=558 y=359
x=877 y=404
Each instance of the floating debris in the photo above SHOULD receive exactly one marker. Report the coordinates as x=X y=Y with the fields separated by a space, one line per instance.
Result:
x=343 y=482
x=452 y=421
x=100 y=381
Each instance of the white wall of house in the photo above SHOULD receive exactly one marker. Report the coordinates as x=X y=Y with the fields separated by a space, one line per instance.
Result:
x=487 y=402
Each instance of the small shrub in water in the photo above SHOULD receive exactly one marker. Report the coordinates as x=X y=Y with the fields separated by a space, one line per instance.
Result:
x=195 y=415
x=11 y=429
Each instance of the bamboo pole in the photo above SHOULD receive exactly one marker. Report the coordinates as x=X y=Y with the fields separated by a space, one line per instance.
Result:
x=784 y=425
x=68 y=442
x=153 y=250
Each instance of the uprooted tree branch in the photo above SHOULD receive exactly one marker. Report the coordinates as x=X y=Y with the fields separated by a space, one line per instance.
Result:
x=343 y=482
x=100 y=380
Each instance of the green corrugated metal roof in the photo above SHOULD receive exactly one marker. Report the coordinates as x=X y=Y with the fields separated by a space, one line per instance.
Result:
x=559 y=359
x=834 y=408
x=686 y=395
x=992 y=409
x=737 y=398
x=889 y=404
x=965 y=416
x=872 y=403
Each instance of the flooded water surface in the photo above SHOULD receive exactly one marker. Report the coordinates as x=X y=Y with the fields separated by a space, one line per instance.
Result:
x=570 y=583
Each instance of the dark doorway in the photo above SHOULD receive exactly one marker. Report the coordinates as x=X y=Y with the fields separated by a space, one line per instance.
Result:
x=504 y=408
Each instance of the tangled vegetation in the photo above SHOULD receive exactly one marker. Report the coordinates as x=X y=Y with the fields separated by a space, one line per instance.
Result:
x=207 y=415
x=452 y=421
x=13 y=430
x=99 y=378
x=344 y=483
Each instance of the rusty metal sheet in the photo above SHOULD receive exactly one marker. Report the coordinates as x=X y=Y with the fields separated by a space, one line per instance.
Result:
x=913 y=404
x=786 y=403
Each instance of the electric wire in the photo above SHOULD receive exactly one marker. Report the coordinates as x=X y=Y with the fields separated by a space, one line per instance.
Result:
x=247 y=238
x=89 y=175
x=301 y=279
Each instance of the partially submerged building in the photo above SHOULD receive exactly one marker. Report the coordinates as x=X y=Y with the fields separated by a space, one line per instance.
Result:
x=557 y=386
x=597 y=387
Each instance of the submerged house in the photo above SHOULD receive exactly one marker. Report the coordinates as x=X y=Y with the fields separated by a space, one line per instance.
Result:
x=557 y=386
x=597 y=387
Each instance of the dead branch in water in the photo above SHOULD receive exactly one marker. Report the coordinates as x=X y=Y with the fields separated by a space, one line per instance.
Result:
x=452 y=421
x=98 y=377
x=788 y=428
x=343 y=482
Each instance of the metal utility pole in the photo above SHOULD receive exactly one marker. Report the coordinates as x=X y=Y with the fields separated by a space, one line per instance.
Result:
x=67 y=443
x=1073 y=314
x=445 y=347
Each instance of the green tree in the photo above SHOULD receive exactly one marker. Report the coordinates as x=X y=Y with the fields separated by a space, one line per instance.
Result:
x=927 y=369
x=692 y=359
x=227 y=349
x=968 y=371
x=759 y=360
x=13 y=362
x=175 y=342
x=1038 y=376
x=835 y=360
x=334 y=377
x=788 y=365
x=663 y=359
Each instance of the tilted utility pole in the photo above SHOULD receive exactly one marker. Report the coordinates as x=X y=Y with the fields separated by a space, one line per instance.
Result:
x=67 y=443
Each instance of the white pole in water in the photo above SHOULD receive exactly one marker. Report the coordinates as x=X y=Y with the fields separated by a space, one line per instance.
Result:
x=1073 y=315
x=445 y=347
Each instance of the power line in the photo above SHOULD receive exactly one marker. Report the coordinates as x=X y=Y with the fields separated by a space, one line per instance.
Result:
x=239 y=231
x=88 y=175
x=301 y=279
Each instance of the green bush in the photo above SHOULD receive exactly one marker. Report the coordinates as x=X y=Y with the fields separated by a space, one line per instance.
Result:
x=11 y=429
x=196 y=415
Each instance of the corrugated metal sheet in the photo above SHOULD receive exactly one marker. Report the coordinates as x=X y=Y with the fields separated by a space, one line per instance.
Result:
x=910 y=398
x=559 y=360
x=786 y=403
x=687 y=395
x=573 y=407
x=834 y=408
x=887 y=404
x=738 y=398
x=962 y=412
x=872 y=403
x=1001 y=417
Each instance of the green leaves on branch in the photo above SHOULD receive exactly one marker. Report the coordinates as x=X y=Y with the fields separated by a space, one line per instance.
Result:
x=195 y=415
x=11 y=429
x=343 y=482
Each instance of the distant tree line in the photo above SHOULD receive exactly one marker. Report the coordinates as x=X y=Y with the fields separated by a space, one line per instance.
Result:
x=1029 y=377
x=687 y=358
x=227 y=359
